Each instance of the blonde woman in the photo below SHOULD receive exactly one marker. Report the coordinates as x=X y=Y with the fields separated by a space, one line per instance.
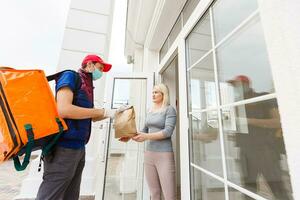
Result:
x=159 y=158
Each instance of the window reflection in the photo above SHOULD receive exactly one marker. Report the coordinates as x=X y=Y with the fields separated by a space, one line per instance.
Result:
x=255 y=151
x=164 y=49
x=224 y=22
x=199 y=41
x=205 y=187
x=243 y=59
x=202 y=85
x=206 y=150
x=253 y=141
x=188 y=9
x=237 y=195
x=175 y=31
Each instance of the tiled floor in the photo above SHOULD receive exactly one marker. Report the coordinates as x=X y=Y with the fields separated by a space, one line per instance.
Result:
x=112 y=181
x=10 y=180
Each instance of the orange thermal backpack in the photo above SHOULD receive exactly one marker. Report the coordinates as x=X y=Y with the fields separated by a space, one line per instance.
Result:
x=28 y=116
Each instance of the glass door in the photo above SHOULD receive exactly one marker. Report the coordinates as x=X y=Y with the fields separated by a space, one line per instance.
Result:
x=123 y=176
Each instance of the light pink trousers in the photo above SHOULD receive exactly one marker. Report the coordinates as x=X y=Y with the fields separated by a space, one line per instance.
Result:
x=160 y=174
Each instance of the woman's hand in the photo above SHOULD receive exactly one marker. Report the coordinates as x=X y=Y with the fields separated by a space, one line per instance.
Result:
x=124 y=139
x=140 y=137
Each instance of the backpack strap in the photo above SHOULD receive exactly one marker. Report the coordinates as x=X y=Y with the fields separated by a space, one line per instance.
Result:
x=77 y=84
x=57 y=75
x=29 y=147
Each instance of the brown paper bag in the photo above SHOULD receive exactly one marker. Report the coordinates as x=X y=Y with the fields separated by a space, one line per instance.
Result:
x=125 y=123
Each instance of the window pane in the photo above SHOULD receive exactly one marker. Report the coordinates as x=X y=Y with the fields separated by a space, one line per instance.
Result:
x=228 y=14
x=202 y=88
x=199 y=40
x=122 y=96
x=243 y=65
x=255 y=150
x=237 y=195
x=163 y=51
x=188 y=9
x=205 y=187
x=205 y=148
x=175 y=30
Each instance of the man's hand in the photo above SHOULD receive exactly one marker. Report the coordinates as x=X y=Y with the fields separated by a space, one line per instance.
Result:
x=96 y=119
x=123 y=108
x=110 y=113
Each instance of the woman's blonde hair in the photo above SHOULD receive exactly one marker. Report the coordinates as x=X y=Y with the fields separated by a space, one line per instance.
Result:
x=165 y=92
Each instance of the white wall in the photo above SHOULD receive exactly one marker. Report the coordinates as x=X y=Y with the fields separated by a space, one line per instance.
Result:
x=280 y=20
x=87 y=31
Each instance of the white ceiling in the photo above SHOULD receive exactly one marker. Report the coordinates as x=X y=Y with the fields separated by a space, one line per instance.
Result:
x=141 y=17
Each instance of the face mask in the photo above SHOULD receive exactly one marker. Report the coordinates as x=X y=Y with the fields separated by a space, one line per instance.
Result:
x=96 y=74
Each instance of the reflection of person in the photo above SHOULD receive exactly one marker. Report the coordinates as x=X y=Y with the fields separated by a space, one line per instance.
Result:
x=64 y=165
x=159 y=158
x=258 y=148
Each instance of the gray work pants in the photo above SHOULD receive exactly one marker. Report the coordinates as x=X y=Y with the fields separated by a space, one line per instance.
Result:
x=62 y=174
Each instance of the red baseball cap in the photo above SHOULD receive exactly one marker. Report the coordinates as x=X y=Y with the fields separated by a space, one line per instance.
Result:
x=95 y=58
x=239 y=78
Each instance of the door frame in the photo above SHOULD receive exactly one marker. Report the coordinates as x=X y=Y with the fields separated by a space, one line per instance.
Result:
x=174 y=58
x=110 y=83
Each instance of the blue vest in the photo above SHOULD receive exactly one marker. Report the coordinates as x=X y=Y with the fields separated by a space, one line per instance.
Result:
x=79 y=130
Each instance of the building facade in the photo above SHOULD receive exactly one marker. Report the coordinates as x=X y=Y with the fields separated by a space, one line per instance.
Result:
x=87 y=31
x=233 y=74
x=232 y=68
